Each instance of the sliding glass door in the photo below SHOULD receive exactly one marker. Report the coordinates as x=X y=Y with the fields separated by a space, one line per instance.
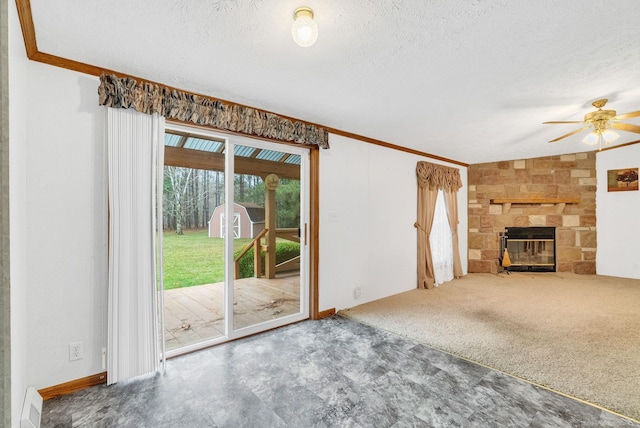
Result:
x=234 y=249
x=267 y=195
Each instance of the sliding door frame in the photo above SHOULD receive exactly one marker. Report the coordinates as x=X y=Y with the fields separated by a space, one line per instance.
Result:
x=309 y=218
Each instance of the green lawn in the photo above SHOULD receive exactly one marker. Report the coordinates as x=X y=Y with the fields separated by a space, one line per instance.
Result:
x=194 y=258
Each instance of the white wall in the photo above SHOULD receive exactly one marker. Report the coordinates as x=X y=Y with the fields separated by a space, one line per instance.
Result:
x=66 y=222
x=372 y=244
x=368 y=205
x=17 y=212
x=617 y=214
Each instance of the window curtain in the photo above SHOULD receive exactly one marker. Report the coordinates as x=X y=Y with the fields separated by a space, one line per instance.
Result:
x=441 y=243
x=451 y=204
x=135 y=153
x=149 y=98
x=431 y=178
x=426 y=211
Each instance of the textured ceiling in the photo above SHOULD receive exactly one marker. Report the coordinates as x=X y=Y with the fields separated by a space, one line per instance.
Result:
x=468 y=80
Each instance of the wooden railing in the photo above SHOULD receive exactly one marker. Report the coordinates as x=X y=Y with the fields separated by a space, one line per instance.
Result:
x=289 y=265
x=289 y=234
x=257 y=262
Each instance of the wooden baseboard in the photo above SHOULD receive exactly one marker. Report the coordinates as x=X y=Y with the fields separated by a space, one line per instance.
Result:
x=327 y=313
x=73 y=386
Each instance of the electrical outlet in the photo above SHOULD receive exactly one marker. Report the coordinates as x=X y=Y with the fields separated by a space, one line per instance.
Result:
x=356 y=293
x=75 y=351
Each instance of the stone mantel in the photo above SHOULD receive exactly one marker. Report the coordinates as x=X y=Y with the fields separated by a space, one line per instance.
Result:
x=558 y=202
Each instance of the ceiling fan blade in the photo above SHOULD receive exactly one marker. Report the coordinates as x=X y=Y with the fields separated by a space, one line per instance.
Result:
x=572 y=121
x=625 y=127
x=570 y=134
x=627 y=115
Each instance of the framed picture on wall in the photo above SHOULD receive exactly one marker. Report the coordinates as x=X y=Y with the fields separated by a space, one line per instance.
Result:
x=621 y=180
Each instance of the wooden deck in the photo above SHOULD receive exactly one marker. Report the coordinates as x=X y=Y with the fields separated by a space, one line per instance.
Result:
x=193 y=314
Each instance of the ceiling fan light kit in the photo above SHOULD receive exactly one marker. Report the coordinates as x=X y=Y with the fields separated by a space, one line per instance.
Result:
x=601 y=121
x=594 y=138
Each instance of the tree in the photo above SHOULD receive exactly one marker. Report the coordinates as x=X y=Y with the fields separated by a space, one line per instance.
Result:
x=288 y=203
x=177 y=182
x=249 y=188
x=628 y=176
x=191 y=195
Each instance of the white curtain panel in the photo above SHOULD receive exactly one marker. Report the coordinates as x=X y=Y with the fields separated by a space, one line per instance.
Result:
x=441 y=243
x=135 y=144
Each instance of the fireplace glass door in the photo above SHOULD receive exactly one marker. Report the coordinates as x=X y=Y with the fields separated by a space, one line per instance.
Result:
x=532 y=248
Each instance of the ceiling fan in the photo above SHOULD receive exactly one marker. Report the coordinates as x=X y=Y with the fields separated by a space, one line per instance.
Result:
x=601 y=122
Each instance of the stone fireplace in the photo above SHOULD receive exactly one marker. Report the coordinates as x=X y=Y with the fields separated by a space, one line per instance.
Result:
x=554 y=191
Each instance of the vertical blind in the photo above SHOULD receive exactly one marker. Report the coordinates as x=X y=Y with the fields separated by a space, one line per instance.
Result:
x=135 y=161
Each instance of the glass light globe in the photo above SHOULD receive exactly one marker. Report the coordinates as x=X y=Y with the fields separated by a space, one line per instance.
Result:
x=591 y=139
x=609 y=136
x=304 y=29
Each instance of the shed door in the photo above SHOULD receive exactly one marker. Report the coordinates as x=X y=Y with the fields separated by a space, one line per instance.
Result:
x=236 y=226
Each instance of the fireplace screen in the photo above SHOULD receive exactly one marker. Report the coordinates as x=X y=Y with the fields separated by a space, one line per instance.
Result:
x=531 y=248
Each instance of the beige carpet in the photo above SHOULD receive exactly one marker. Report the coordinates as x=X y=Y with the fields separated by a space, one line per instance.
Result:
x=576 y=334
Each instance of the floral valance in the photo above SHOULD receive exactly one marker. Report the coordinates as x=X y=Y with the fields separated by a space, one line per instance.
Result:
x=438 y=176
x=150 y=98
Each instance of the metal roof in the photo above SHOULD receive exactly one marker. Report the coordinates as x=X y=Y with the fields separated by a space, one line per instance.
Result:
x=186 y=141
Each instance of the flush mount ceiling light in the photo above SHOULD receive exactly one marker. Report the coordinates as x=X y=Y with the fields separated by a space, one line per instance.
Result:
x=304 y=29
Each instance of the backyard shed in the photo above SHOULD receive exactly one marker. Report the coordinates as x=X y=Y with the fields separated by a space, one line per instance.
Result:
x=248 y=220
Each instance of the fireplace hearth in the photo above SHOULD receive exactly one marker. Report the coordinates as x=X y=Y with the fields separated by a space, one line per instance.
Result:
x=531 y=249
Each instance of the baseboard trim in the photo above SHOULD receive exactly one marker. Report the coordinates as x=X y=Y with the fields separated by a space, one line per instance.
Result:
x=327 y=313
x=73 y=386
